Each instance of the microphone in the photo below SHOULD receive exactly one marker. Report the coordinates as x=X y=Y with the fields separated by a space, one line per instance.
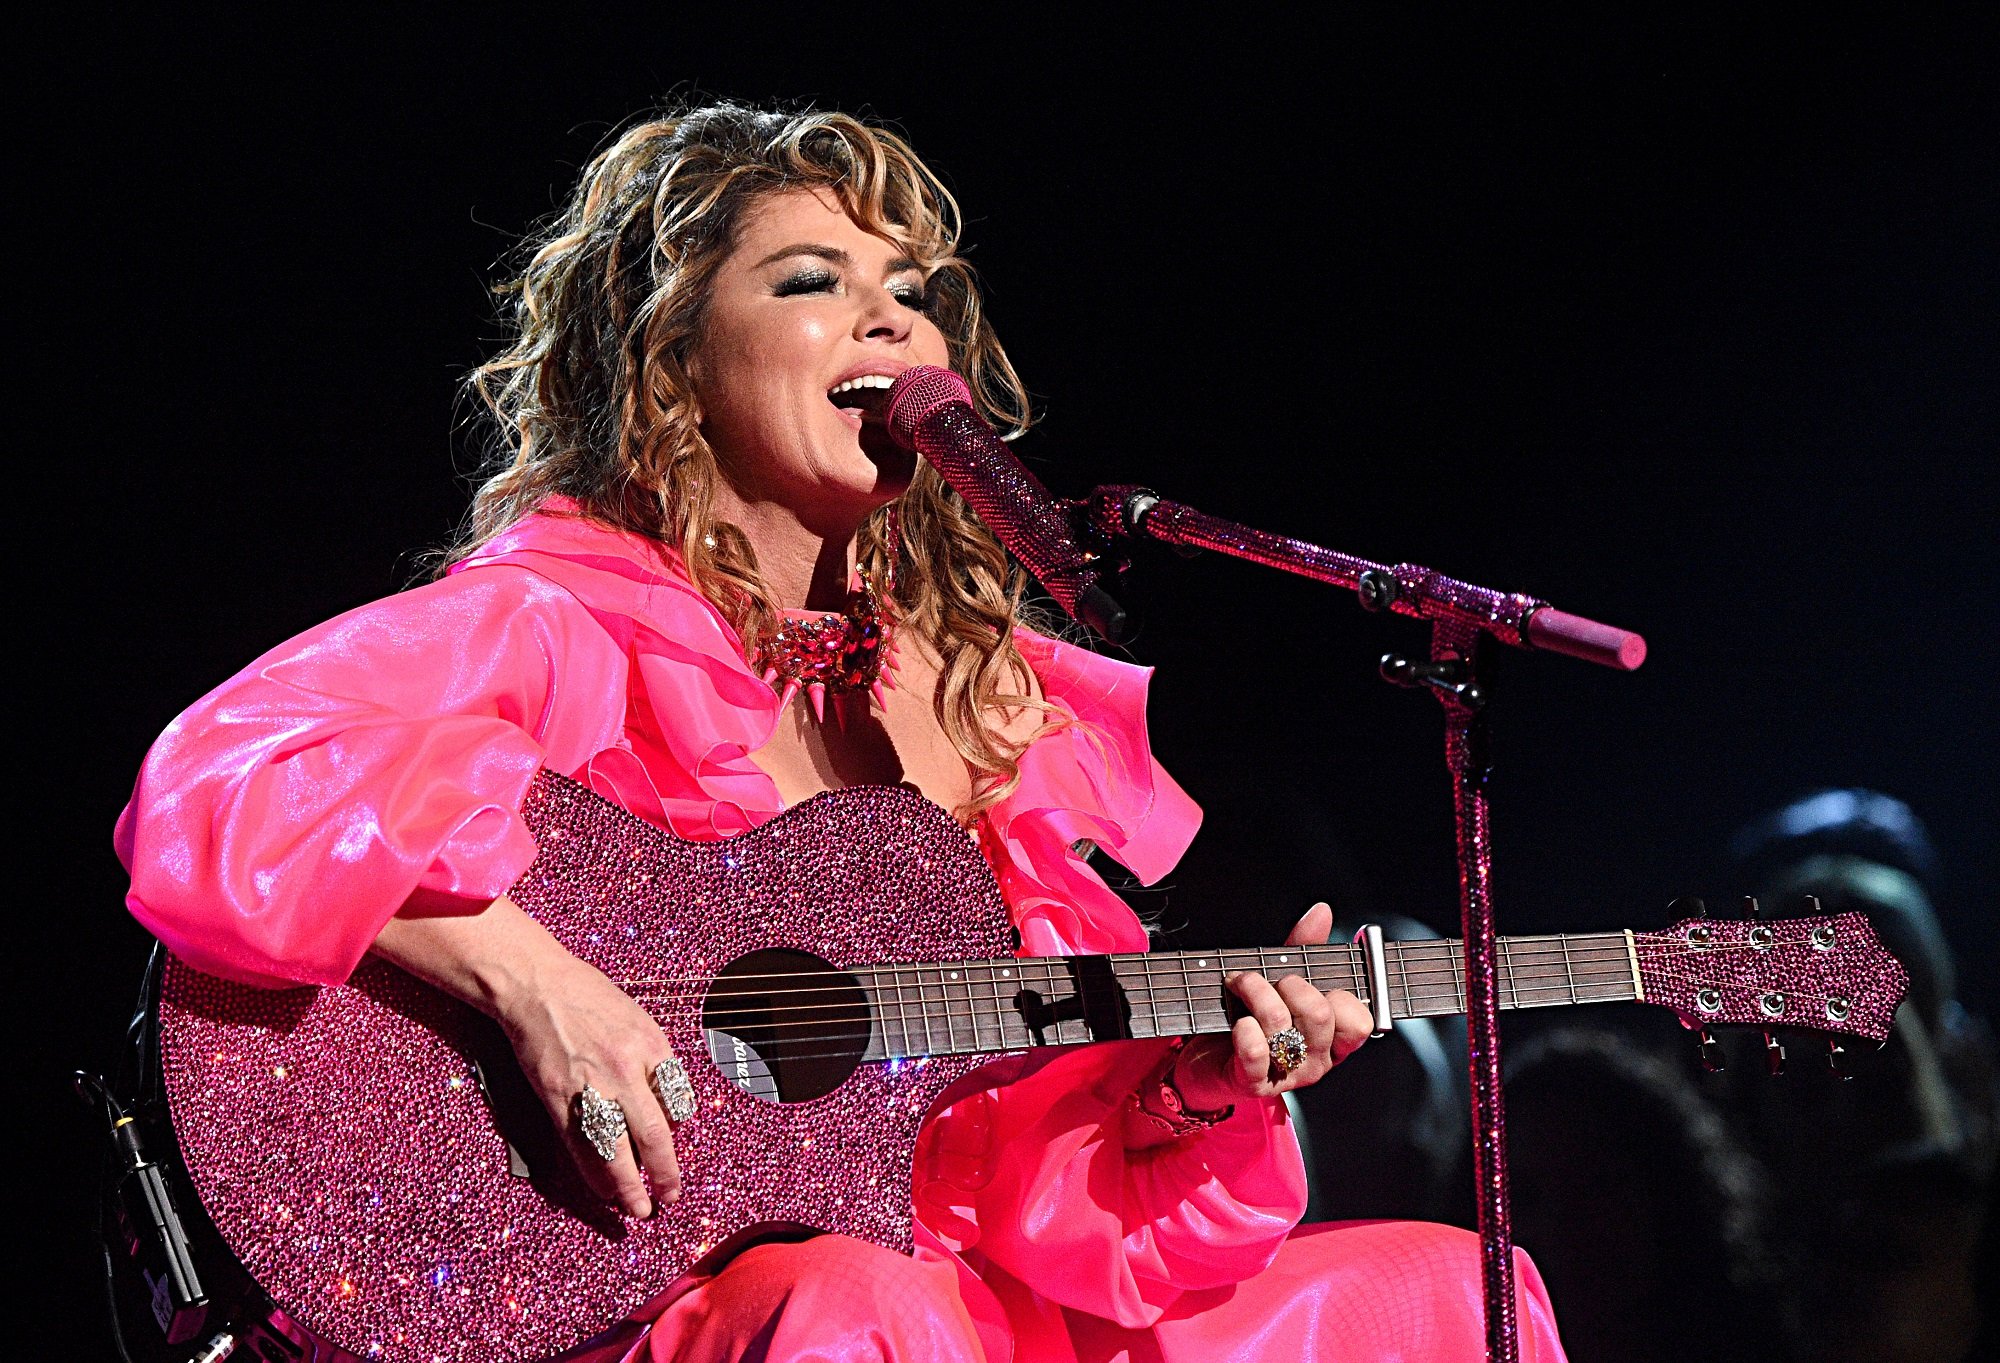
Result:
x=929 y=411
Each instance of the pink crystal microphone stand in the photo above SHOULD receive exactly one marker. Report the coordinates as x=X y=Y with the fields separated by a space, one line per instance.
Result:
x=1462 y=616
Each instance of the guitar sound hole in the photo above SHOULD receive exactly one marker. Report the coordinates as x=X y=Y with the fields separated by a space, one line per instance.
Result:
x=785 y=1026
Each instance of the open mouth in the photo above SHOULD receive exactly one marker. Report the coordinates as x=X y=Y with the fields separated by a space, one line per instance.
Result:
x=863 y=397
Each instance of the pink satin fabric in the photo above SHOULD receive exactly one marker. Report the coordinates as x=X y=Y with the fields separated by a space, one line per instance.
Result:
x=1356 y=1292
x=375 y=765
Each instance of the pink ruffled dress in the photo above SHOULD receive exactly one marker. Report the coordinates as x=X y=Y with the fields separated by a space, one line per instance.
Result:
x=376 y=765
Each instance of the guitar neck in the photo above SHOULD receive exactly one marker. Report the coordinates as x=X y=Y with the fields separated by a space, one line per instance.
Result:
x=972 y=1007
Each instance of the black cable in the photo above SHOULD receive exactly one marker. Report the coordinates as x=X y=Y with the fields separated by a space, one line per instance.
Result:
x=111 y=1286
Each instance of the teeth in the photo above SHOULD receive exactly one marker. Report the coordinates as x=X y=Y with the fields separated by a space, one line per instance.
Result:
x=865 y=381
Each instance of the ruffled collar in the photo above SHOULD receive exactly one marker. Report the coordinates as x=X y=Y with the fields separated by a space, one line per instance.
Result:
x=697 y=711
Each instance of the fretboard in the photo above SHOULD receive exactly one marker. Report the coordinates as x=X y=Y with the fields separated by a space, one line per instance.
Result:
x=972 y=1007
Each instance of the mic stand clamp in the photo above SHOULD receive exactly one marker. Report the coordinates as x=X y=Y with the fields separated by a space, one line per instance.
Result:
x=1451 y=676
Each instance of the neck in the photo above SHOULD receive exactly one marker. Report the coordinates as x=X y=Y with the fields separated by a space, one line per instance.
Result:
x=804 y=565
x=969 y=1007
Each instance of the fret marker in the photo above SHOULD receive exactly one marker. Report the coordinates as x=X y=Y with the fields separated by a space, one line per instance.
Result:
x=1005 y=973
x=954 y=974
x=1201 y=962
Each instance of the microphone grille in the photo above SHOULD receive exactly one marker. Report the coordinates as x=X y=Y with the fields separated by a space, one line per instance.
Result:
x=915 y=395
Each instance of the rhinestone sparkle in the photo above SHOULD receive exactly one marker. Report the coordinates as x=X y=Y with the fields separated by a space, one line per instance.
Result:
x=364 y=1164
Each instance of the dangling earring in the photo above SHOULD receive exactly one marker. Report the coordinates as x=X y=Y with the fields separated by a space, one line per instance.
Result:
x=892 y=548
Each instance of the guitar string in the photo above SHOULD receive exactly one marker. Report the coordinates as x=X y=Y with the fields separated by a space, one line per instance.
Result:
x=780 y=1050
x=1546 y=951
x=801 y=1000
x=1603 y=952
x=1583 y=982
x=1523 y=991
x=1585 y=978
x=1593 y=975
x=815 y=1030
x=1596 y=972
x=1193 y=1010
x=1027 y=1033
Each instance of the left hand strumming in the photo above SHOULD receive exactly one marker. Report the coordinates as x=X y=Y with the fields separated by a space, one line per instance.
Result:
x=1216 y=1071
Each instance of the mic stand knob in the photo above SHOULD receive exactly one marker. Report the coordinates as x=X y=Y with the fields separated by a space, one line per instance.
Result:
x=1378 y=589
x=1453 y=676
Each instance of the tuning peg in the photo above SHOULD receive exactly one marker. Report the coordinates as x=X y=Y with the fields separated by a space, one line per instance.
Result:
x=1687 y=906
x=1750 y=906
x=1838 y=1060
x=1711 y=1052
x=1774 y=1054
x=1812 y=906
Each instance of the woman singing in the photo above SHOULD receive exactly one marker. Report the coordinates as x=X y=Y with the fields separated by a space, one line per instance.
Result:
x=695 y=470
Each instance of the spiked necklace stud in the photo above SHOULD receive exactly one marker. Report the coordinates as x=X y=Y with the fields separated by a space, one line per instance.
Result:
x=841 y=652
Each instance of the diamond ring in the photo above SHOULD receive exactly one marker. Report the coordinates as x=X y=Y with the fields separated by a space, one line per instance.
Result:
x=674 y=1090
x=602 y=1122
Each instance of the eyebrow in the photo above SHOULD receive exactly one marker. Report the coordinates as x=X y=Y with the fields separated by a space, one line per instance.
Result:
x=833 y=255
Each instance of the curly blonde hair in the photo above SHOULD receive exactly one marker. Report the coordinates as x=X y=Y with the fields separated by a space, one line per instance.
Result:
x=593 y=401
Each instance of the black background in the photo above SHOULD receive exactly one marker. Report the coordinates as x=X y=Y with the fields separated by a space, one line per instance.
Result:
x=1685 y=325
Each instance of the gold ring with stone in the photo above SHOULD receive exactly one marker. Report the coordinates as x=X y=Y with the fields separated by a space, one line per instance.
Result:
x=1288 y=1052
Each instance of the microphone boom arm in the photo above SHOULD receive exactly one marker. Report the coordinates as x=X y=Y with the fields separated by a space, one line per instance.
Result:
x=1123 y=511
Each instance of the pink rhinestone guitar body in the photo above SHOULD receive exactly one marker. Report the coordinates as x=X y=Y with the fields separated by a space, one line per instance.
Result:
x=341 y=1142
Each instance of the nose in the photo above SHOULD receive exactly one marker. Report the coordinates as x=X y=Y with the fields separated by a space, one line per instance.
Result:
x=882 y=317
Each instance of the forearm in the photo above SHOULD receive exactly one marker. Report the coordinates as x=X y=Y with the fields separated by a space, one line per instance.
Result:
x=572 y=1030
x=490 y=959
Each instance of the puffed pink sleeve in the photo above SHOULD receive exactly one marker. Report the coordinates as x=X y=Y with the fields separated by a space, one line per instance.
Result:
x=1032 y=1176
x=375 y=762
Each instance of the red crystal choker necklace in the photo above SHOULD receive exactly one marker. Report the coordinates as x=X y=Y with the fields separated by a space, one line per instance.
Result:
x=842 y=652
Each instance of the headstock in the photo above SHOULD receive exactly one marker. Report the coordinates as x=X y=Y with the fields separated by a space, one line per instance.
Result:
x=1827 y=973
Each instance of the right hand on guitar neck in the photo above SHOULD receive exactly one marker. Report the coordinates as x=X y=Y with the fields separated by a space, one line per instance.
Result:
x=569 y=1026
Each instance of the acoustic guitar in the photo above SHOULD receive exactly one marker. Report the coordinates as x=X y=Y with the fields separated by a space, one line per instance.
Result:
x=378 y=1167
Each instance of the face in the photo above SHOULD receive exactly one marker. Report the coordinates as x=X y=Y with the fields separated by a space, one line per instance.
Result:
x=807 y=302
